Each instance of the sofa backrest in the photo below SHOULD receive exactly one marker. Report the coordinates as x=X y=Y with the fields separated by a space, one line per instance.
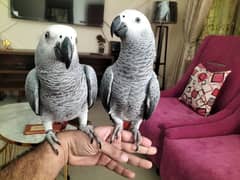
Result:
x=220 y=53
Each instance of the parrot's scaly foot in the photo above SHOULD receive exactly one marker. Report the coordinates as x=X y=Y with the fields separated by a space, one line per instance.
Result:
x=137 y=137
x=116 y=131
x=52 y=140
x=90 y=132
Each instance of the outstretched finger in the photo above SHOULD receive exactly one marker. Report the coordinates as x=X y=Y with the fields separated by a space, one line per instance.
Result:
x=128 y=137
x=139 y=162
x=131 y=148
x=115 y=166
x=119 y=169
x=119 y=156
x=114 y=153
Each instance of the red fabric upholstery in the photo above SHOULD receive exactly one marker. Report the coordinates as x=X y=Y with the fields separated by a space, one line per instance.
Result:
x=216 y=53
x=211 y=158
x=151 y=129
x=216 y=50
x=204 y=158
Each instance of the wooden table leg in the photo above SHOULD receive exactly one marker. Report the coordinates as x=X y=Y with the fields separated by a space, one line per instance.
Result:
x=2 y=95
x=66 y=175
x=20 y=96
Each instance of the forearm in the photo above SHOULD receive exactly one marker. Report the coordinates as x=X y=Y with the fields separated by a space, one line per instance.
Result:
x=40 y=163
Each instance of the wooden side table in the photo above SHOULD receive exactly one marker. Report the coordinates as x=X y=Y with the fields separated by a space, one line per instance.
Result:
x=13 y=119
x=3 y=145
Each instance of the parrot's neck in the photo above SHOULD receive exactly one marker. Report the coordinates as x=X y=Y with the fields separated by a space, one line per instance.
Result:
x=55 y=66
x=137 y=55
x=59 y=80
x=57 y=72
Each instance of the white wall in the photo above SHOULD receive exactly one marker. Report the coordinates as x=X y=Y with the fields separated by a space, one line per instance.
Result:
x=24 y=34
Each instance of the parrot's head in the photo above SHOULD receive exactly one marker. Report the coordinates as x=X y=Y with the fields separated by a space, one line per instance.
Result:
x=131 y=24
x=57 y=45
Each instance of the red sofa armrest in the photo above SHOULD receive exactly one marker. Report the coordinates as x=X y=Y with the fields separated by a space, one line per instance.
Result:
x=226 y=125
x=229 y=110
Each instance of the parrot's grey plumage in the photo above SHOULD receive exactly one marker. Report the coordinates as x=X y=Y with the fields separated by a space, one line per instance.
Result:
x=59 y=88
x=129 y=88
x=32 y=91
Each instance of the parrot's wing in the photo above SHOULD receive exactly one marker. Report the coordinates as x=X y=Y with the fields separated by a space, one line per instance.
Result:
x=152 y=97
x=92 y=84
x=106 y=88
x=32 y=91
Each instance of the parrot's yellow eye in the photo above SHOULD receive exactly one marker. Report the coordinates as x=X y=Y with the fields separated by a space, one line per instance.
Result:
x=137 y=20
x=60 y=36
x=47 y=34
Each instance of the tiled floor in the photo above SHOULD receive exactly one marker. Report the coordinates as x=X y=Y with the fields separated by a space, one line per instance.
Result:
x=98 y=116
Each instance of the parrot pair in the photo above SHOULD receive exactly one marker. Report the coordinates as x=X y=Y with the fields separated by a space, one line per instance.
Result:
x=59 y=88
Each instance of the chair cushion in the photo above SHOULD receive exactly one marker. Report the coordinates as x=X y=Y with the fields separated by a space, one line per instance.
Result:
x=202 y=89
x=171 y=112
x=215 y=158
x=164 y=117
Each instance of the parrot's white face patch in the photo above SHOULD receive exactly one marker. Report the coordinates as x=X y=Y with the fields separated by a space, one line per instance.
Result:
x=137 y=23
x=51 y=36
x=57 y=33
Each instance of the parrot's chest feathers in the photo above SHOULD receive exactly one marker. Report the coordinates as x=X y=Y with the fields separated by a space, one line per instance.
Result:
x=132 y=72
x=127 y=98
x=62 y=93
x=135 y=63
x=59 y=82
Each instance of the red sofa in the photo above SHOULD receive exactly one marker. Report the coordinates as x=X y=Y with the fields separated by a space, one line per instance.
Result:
x=212 y=152
x=209 y=158
x=174 y=120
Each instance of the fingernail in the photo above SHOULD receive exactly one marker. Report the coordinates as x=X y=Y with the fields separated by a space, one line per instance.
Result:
x=124 y=157
x=155 y=151
x=132 y=175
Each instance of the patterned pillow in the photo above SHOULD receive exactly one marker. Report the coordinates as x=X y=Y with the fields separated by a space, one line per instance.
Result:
x=202 y=89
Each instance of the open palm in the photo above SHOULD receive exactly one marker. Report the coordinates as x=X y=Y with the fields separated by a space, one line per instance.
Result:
x=82 y=153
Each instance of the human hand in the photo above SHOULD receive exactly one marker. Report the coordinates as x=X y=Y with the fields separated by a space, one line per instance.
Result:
x=79 y=151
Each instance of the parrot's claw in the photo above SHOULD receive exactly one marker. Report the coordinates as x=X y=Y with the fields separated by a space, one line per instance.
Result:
x=90 y=132
x=116 y=131
x=52 y=140
x=137 y=137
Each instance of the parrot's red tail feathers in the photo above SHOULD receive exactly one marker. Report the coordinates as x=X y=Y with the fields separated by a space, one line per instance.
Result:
x=126 y=125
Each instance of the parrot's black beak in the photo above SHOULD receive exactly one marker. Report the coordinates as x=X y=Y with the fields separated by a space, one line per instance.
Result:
x=64 y=51
x=118 y=28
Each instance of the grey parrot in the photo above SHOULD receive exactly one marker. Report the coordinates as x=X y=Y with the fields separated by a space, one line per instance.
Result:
x=59 y=88
x=164 y=11
x=129 y=88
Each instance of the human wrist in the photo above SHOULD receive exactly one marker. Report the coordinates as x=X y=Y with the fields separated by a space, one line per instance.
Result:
x=49 y=153
x=64 y=147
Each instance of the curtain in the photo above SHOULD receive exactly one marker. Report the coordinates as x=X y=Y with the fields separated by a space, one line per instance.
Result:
x=196 y=14
x=237 y=20
x=220 y=20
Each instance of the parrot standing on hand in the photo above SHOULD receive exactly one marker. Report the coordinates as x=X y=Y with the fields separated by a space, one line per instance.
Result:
x=129 y=88
x=59 y=88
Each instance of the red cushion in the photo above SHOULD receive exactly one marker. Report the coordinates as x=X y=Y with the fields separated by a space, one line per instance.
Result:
x=202 y=89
